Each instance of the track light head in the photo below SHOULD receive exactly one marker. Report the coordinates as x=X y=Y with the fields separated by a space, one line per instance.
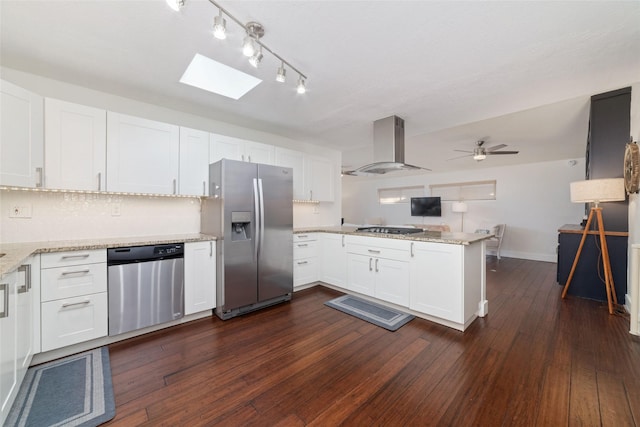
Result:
x=219 y=27
x=176 y=4
x=256 y=58
x=248 y=46
x=281 y=76
x=301 y=88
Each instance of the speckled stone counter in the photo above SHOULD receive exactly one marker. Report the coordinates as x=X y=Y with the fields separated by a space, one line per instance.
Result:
x=16 y=253
x=426 y=236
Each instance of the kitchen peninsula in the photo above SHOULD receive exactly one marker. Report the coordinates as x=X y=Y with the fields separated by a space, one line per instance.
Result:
x=438 y=276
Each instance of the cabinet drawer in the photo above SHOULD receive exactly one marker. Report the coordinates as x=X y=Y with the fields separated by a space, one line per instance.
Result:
x=73 y=320
x=305 y=271
x=73 y=281
x=380 y=252
x=306 y=237
x=305 y=250
x=65 y=259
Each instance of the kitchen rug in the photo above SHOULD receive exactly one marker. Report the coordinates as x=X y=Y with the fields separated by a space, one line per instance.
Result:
x=73 y=391
x=377 y=314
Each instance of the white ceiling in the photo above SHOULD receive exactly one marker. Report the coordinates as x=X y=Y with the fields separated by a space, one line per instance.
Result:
x=519 y=73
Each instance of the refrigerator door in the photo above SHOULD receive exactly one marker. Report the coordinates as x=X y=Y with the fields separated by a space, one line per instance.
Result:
x=275 y=269
x=240 y=261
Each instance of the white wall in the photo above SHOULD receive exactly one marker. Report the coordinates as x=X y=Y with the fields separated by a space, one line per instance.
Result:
x=634 y=200
x=532 y=200
x=57 y=224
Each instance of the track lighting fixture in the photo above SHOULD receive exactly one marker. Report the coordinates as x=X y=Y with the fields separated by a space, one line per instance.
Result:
x=219 y=27
x=281 y=76
x=252 y=47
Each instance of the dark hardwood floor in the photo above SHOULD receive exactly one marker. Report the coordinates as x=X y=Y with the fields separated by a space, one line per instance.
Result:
x=534 y=360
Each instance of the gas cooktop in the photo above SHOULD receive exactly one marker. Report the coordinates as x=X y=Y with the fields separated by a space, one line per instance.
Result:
x=390 y=230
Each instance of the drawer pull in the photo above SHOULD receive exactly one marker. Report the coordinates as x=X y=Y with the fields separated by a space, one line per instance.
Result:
x=302 y=236
x=68 y=273
x=75 y=256
x=371 y=251
x=302 y=245
x=303 y=262
x=71 y=304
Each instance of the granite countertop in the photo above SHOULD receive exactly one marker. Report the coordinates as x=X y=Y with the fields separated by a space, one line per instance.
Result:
x=579 y=229
x=452 y=238
x=16 y=253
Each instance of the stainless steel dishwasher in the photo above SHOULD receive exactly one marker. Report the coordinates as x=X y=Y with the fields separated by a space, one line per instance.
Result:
x=146 y=286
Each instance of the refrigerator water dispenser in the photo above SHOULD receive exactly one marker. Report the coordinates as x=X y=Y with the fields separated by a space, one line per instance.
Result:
x=240 y=226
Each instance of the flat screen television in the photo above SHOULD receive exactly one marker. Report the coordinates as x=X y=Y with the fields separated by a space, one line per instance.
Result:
x=426 y=206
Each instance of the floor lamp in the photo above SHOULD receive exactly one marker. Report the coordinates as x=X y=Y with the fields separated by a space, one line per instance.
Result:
x=596 y=191
x=461 y=208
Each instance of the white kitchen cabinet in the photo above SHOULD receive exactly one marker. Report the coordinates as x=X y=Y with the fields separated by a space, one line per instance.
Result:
x=74 y=302
x=21 y=137
x=446 y=280
x=194 y=162
x=227 y=147
x=75 y=146
x=142 y=155
x=305 y=259
x=199 y=276
x=319 y=179
x=379 y=268
x=17 y=290
x=294 y=160
x=334 y=259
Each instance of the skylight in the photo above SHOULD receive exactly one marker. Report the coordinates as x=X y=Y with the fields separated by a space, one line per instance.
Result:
x=212 y=76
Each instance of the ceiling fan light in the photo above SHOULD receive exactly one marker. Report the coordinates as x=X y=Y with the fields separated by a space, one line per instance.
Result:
x=478 y=157
x=176 y=4
x=248 y=46
x=281 y=76
x=219 y=27
x=301 y=88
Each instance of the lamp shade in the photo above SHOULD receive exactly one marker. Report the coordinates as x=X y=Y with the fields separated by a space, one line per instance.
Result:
x=597 y=190
x=459 y=207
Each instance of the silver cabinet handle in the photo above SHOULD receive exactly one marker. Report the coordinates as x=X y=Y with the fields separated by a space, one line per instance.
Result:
x=343 y=240
x=371 y=251
x=27 y=278
x=302 y=236
x=370 y=269
x=377 y=265
x=210 y=249
x=71 y=304
x=68 y=273
x=4 y=287
x=303 y=262
x=302 y=245
x=174 y=186
x=204 y=188
x=310 y=194
x=249 y=158
x=411 y=249
x=39 y=181
x=243 y=157
x=75 y=256
x=99 y=181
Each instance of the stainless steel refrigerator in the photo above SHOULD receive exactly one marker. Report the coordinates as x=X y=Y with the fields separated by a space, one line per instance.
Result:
x=250 y=206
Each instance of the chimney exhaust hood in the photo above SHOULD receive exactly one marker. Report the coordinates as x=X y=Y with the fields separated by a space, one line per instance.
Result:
x=388 y=149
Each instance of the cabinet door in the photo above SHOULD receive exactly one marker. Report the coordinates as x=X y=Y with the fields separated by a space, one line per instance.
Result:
x=75 y=146
x=142 y=155
x=319 y=179
x=305 y=270
x=194 y=162
x=21 y=137
x=436 y=280
x=225 y=147
x=392 y=281
x=256 y=152
x=294 y=160
x=360 y=274
x=9 y=335
x=199 y=276
x=334 y=259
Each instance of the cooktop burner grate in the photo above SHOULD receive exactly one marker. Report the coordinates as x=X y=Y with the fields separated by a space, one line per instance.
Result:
x=390 y=230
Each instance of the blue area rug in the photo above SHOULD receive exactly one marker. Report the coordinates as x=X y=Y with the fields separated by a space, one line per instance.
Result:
x=377 y=314
x=73 y=391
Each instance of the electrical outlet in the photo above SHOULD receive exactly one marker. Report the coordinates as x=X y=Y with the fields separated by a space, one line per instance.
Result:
x=23 y=211
x=115 y=209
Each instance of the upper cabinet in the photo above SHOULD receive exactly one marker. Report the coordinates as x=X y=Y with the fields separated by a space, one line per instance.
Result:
x=21 y=137
x=318 y=179
x=226 y=147
x=75 y=146
x=194 y=162
x=142 y=155
x=294 y=160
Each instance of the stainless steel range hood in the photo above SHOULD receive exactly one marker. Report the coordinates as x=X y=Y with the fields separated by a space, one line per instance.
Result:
x=388 y=149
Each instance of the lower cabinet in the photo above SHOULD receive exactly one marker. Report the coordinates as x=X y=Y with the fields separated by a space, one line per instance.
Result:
x=199 y=276
x=74 y=302
x=333 y=259
x=305 y=259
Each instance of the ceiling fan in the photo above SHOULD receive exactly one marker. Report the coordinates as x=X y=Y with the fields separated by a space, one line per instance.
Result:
x=481 y=152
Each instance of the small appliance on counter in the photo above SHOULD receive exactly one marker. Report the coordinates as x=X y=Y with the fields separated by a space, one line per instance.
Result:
x=251 y=208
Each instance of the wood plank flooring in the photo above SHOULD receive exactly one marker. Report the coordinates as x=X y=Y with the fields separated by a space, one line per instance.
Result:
x=535 y=360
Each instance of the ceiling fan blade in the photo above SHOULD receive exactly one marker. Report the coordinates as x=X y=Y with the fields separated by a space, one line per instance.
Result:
x=495 y=147
x=464 y=151
x=460 y=157
x=502 y=152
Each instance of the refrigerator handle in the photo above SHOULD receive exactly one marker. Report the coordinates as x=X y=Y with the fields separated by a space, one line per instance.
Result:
x=256 y=210
x=261 y=215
